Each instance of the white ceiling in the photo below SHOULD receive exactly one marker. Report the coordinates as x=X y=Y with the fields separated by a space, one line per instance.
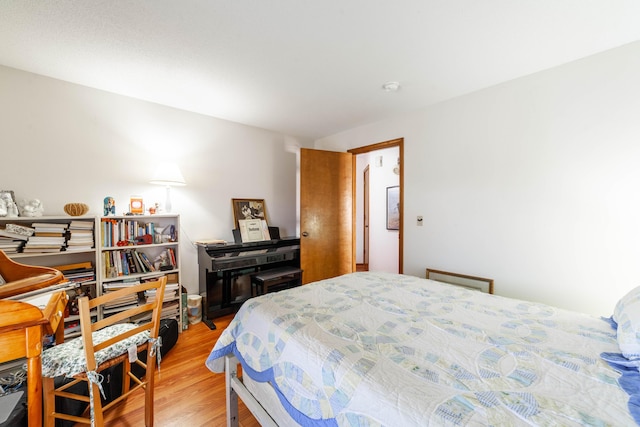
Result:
x=304 y=68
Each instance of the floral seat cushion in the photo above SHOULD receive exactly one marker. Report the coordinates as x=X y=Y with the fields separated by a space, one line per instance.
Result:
x=68 y=358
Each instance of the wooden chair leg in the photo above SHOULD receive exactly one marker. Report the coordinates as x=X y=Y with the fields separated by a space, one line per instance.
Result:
x=97 y=405
x=150 y=376
x=126 y=380
x=49 y=402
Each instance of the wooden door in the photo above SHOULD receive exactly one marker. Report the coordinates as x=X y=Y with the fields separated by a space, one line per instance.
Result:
x=326 y=214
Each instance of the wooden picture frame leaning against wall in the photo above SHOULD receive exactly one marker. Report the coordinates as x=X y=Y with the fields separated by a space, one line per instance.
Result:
x=248 y=209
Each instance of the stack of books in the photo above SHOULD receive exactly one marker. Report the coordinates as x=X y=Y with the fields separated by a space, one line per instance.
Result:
x=79 y=272
x=170 y=310
x=13 y=237
x=48 y=237
x=80 y=236
x=120 y=303
x=170 y=293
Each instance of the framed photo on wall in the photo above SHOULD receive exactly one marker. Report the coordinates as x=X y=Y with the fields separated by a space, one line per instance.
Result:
x=248 y=209
x=393 y=208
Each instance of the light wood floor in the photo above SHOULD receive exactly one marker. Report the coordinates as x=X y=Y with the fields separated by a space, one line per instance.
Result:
x=187 y=393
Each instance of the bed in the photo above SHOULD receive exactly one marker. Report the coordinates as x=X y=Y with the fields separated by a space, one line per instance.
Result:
x=378 y=349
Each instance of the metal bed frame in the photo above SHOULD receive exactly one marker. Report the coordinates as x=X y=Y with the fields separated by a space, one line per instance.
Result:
x=235 y=388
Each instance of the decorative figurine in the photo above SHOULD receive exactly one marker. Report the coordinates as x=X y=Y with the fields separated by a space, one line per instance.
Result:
x=109 y=206
x=31 y=208
x=8 y=207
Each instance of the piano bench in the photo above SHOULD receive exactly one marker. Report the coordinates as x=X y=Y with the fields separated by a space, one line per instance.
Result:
x=276 y=278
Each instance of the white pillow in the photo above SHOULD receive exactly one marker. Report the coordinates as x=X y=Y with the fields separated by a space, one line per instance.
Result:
x=627 y=316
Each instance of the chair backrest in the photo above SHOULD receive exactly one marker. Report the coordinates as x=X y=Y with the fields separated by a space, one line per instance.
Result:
x=21 y=278
x=154 y=307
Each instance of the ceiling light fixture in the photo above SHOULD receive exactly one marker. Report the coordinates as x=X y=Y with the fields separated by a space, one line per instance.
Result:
x=391 y=86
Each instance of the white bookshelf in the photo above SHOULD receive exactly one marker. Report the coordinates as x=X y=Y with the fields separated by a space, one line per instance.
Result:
x=162 y=241
x=118 y=235
x=62 y=257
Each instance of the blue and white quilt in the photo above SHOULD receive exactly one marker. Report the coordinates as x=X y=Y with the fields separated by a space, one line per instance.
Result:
x=378 y=349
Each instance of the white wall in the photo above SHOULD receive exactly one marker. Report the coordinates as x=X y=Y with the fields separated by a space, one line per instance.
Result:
x=534 y=182
x=63 y=143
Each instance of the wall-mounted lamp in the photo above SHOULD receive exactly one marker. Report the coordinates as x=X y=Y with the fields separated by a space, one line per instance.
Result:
x=168 y=174
x=396 y=168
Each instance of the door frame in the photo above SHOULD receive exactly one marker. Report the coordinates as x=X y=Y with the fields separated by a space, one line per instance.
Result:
x=398 y=142
x=365 y=219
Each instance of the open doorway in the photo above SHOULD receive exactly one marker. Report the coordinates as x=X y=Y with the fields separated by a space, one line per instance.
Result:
x=378 y=206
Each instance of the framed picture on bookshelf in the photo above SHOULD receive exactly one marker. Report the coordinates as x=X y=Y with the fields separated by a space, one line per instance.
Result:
x=136 y=205
x=248 y=209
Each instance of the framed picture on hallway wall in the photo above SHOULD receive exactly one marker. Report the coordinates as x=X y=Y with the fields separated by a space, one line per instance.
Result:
x=393 y=208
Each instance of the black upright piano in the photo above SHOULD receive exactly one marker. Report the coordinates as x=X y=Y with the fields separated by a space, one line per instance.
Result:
x=225 y=271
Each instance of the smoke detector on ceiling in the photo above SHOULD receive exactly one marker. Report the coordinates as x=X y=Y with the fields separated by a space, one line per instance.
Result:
x=391 y=86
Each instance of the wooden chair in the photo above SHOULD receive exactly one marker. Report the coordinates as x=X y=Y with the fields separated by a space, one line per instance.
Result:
x=103 y=344
x=21 y=278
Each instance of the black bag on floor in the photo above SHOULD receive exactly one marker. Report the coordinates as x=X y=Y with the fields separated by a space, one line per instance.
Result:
x=169 y=332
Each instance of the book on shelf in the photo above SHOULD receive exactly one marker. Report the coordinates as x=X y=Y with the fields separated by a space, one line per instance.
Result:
x=112 y=286
x=74 y=266
x=78 y=272
x=147 y=263
x=124 y=230
x=80 y=225
x=128 y=300
x=48 y=234
x=50 y=225
x=78 y=248
x=19 y=229
x=10 y=246
x=133 y=269
x=46 y=240
x=5 y=233
x=170 y=309
x=44 y=244
x=170 y=293
x=45 y=227
x=127 y=261
x=41 y=250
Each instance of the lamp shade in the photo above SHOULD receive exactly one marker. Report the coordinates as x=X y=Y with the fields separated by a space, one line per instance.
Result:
x=168 y=173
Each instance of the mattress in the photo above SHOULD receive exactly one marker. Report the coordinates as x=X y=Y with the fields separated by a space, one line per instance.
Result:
x=378 y=349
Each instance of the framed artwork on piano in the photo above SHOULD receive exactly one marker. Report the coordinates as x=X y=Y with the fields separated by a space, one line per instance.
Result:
x=248 y=209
